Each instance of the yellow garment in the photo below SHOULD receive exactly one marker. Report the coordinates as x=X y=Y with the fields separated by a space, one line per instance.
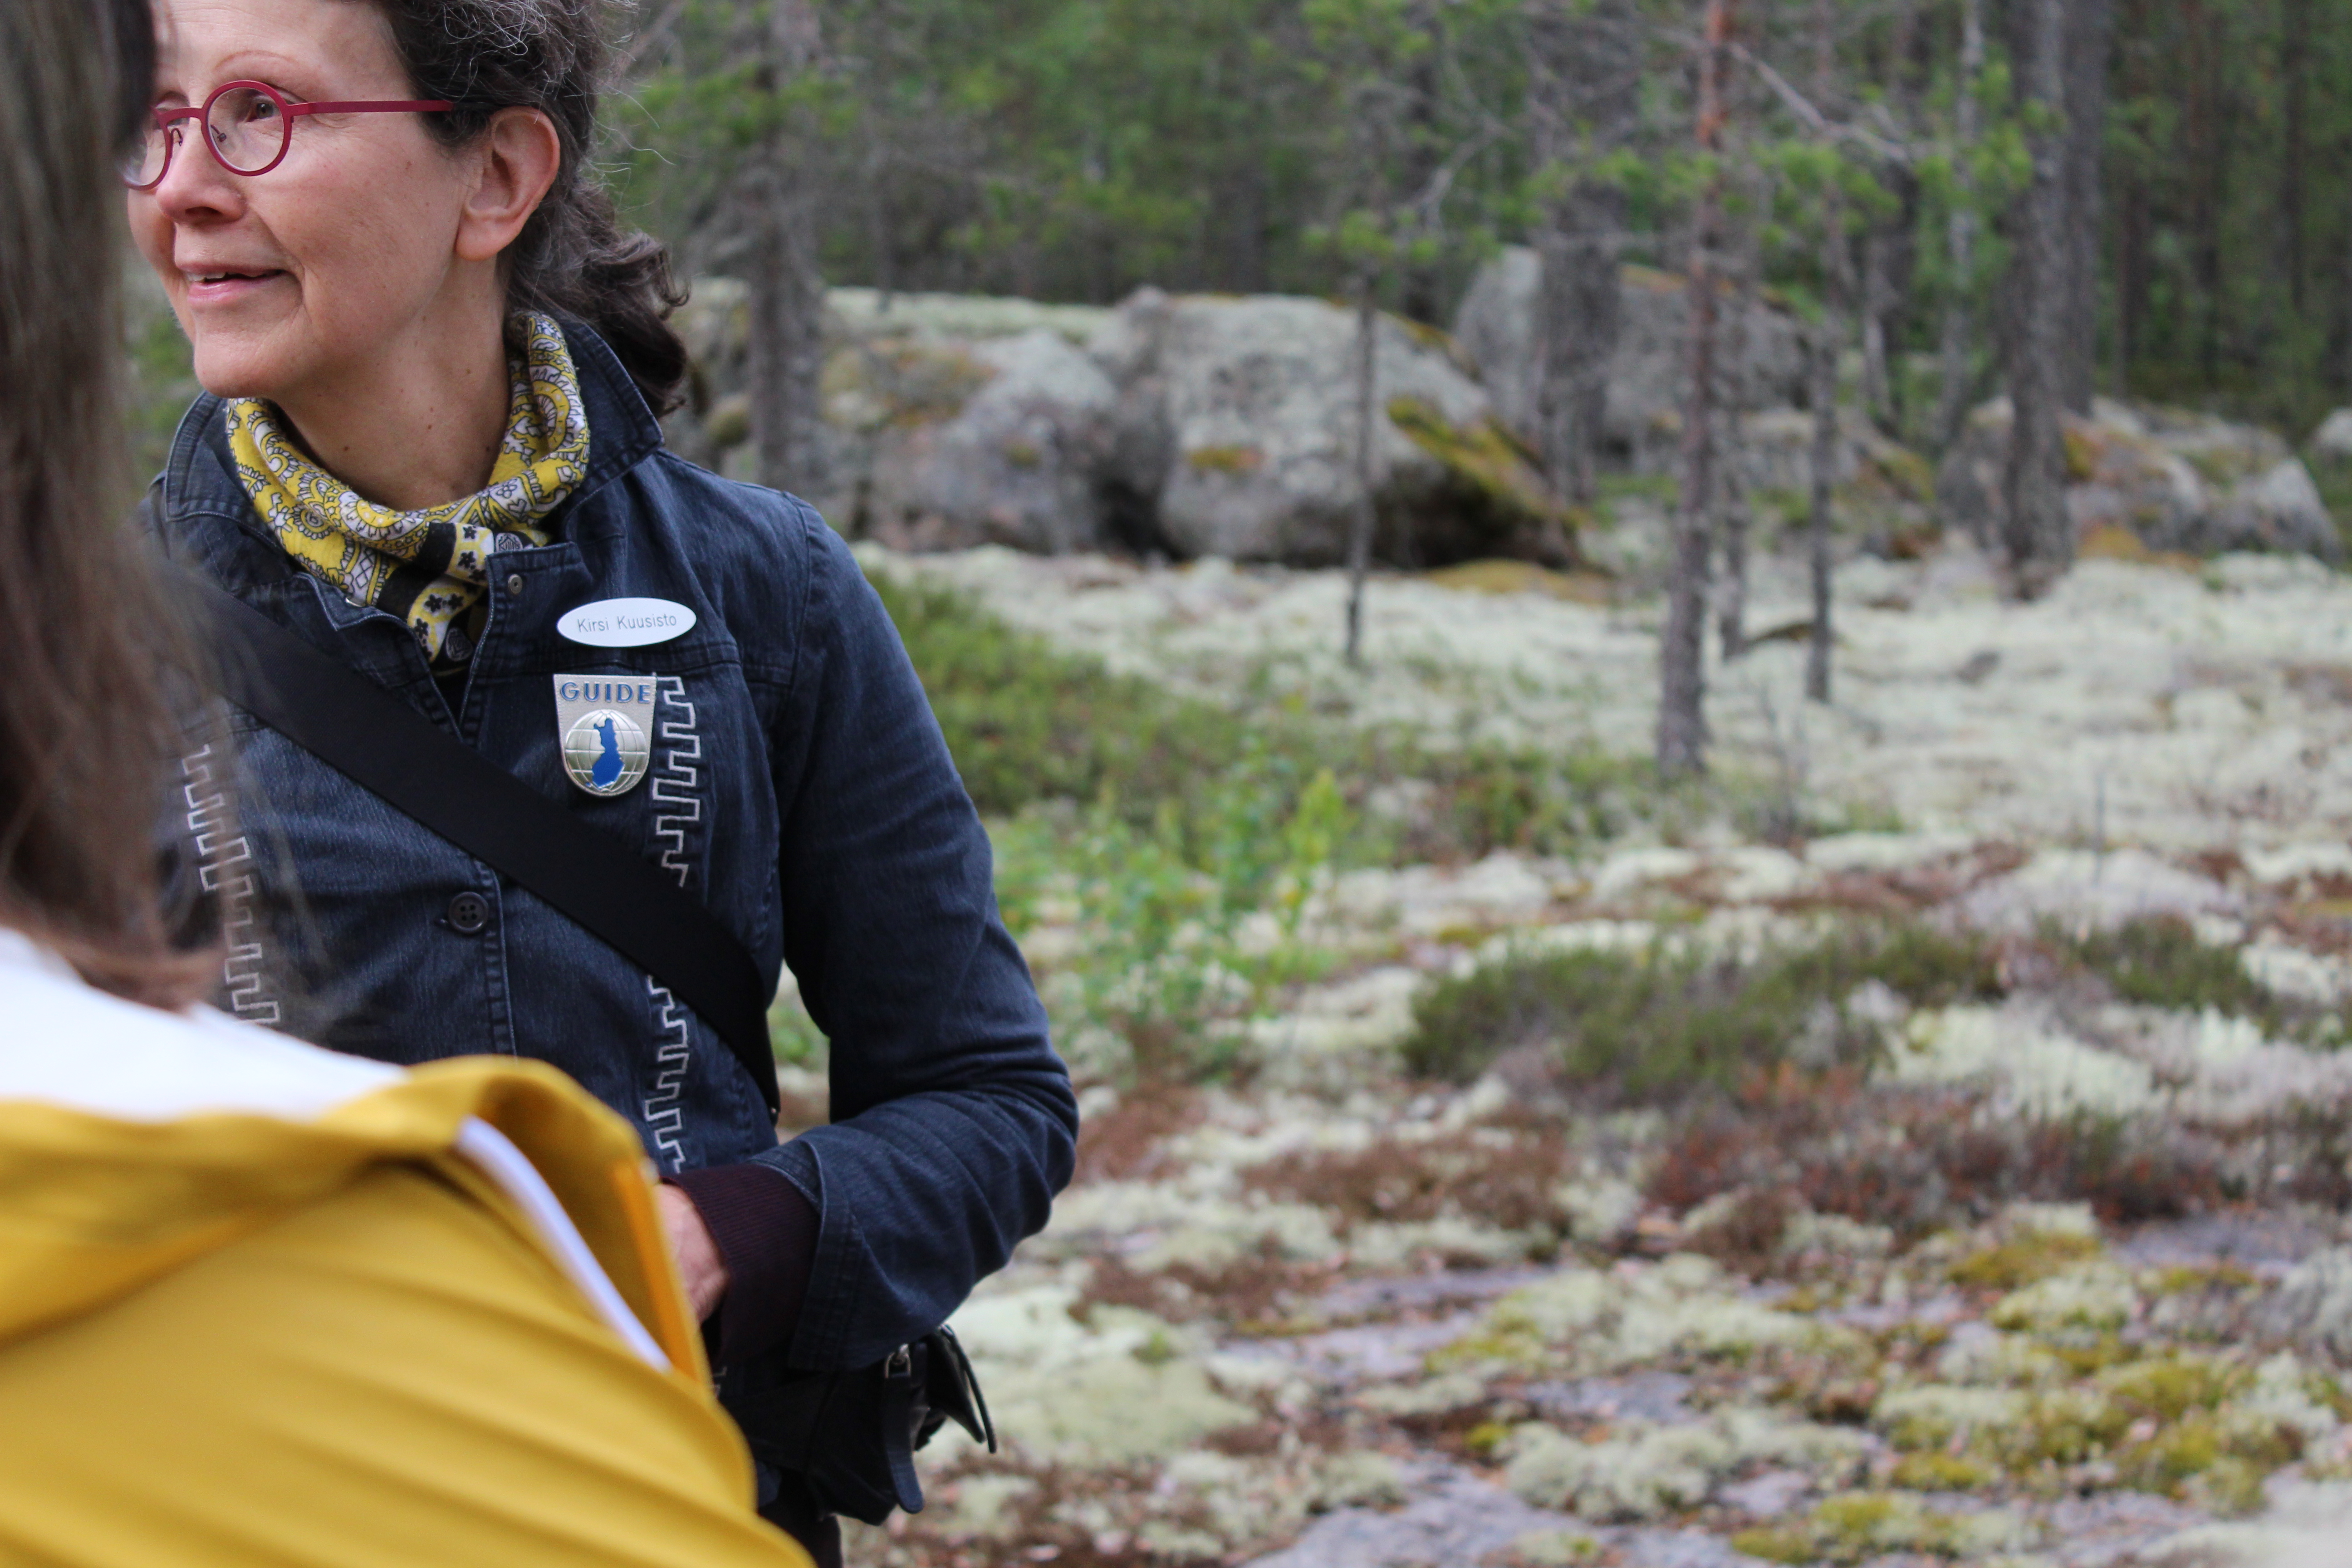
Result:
x=429 y=566
x=237 y=1338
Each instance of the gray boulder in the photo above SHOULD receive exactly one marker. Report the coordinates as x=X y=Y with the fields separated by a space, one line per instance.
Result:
x=2148 y=480
x=2278 y=509
x=1017 y=463
x=1194 y=425
x=950 y=419
x=1648 y=375
x=2331 y=444
x=1236 y=434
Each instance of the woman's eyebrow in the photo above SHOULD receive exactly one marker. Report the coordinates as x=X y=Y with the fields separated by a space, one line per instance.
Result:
x=251 y=53
x=263 y=66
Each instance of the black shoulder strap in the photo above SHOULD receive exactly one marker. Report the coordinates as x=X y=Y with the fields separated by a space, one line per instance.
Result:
x=365 y=731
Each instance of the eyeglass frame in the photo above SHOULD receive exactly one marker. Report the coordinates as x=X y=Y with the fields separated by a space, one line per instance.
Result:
x=167 y=118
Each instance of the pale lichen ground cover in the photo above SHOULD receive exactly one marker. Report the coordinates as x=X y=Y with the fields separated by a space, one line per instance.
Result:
x=2160 y=708
x=1324 y=1315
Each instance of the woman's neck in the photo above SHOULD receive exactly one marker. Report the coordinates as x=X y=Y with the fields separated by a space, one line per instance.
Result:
x=419 y=424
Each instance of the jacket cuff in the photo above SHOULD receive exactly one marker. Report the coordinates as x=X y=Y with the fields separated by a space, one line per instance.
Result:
x=766 y=1232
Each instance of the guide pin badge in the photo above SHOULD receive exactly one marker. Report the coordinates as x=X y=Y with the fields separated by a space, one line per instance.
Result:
x=602 y=722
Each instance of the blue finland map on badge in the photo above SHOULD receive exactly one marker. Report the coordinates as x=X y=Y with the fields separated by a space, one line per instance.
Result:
x=603 y=723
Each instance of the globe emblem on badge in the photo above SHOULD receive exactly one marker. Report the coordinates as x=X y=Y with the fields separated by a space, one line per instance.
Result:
x=605 y=751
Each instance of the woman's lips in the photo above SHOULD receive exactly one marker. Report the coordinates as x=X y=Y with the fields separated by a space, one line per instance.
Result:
x=228 y=285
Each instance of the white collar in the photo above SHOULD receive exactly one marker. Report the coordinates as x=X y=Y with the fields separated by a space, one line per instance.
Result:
x=63 y=1042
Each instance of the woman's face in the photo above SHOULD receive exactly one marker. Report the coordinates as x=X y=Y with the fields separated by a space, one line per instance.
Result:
x=306 y=274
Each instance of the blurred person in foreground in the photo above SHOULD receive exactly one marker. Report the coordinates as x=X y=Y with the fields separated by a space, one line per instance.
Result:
x=260 y=1303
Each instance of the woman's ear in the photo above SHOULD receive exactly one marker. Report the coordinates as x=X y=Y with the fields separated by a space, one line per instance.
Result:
x=520 y=155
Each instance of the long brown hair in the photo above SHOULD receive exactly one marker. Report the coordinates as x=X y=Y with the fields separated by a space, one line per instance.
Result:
x=86 y=731
x=572 y=258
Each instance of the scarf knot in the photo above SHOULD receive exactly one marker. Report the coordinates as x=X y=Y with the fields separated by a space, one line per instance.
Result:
x=430 y=567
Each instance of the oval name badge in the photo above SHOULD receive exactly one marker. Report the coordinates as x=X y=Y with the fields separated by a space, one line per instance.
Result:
x=625 y=622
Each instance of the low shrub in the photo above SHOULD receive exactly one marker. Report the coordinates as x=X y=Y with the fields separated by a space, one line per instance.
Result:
x=1506 y=1177
x=1663 y=1022
x=1919 y=1160
x=2160 y=962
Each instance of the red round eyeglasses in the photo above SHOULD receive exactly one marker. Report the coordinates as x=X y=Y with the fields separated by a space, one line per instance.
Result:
x=248 y=125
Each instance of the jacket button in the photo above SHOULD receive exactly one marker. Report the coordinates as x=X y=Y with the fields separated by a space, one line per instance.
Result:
x=514 y=582
x=469 y=913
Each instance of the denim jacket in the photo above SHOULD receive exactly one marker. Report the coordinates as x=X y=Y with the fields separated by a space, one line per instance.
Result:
x=797 y=784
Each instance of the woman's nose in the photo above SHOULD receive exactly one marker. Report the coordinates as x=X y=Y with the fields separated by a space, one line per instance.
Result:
x=197 y=189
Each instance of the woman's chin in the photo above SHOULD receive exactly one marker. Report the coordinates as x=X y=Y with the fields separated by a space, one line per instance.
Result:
x=240 y=369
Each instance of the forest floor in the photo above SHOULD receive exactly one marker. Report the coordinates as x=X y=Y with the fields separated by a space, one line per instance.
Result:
x=1951 y=1168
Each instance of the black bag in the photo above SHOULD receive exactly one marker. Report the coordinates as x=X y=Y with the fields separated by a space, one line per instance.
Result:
x=850 y=1435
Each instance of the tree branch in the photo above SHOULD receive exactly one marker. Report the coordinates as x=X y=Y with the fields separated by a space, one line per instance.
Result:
x=1815 y=120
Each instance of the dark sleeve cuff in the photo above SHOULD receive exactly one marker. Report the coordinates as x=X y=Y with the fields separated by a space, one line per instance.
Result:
x=766 y=1233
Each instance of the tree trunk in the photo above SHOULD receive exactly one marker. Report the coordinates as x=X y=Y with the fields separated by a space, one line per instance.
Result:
x=1890 y=250
x=786 y=308
x=1360 y=524
x=1961 y=235
x=1682 y=660
x=1734 y=396
x=2090 y=31
x=1878 y=301
x=2345 y=288
x=2038 y=536
x=1734 y=519
x=2295 y=68
x=1827 y=344
x=2129 y=200
x=1586 y=86
x=2208 y=114
x=1823 y=366
x=786 y=288
x=1419 y=285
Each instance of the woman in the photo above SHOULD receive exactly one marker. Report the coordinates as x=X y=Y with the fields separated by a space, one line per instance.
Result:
x=433 y=369
x=260 y=1302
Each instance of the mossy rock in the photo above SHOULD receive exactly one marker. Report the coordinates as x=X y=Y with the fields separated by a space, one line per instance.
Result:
x=1907 y=473
x=1494 y=472
x=899 y=383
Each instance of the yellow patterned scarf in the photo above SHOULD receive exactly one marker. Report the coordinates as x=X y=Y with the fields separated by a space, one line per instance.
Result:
x=430 y=567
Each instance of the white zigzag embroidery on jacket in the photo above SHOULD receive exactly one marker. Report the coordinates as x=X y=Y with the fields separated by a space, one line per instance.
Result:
x=218 y=862
x=678 y=811
x=664 y=1110
x=675 y=785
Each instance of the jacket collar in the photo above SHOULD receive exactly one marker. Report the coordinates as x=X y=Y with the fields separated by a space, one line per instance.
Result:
x=200 y=478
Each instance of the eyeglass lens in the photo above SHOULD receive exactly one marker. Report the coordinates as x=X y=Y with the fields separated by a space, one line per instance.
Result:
x=143 y=165
x=247 y=129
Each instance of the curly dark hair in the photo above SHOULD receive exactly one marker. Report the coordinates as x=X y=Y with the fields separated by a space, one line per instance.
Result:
x=573 y=257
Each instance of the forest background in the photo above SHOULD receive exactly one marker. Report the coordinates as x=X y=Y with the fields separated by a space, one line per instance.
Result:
x=1075 y=150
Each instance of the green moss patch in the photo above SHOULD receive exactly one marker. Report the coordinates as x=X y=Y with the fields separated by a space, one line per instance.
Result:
x=2023 y=1261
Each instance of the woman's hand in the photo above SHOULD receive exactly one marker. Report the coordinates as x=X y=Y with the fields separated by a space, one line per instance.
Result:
x=699 y=1266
